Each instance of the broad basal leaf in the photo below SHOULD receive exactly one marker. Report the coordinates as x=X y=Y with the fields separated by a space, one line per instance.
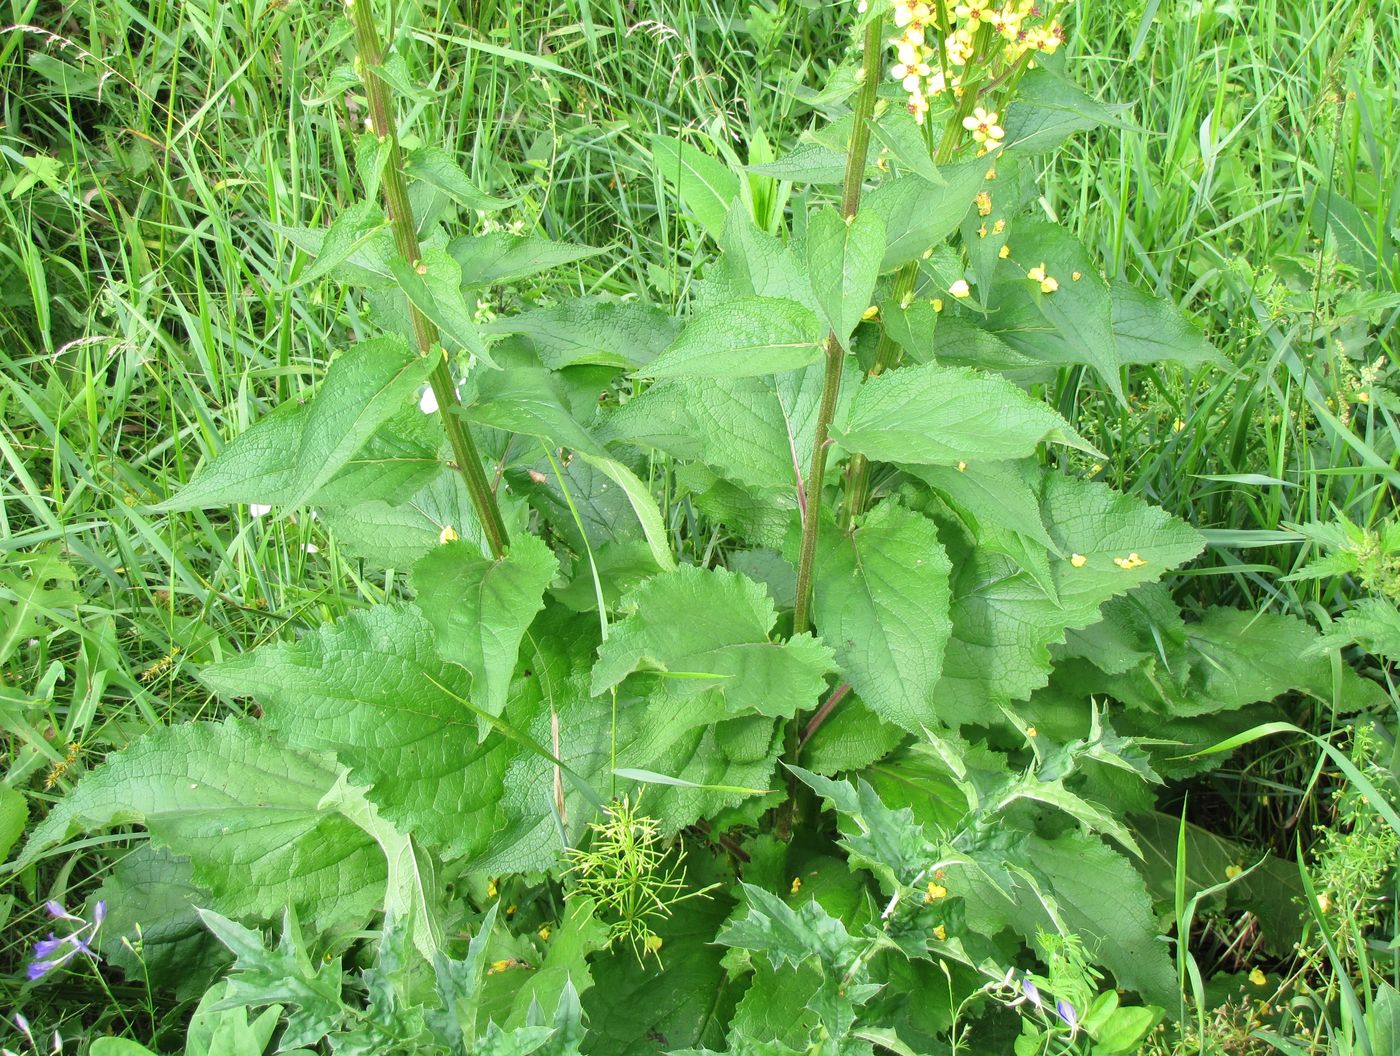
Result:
x=374 y=690
x=285 y=458
x=882 y=602
x=480 y=608
x=248 y=813
x=745 y=338
x=843 y=261
x=707 y=629
x=934 y=415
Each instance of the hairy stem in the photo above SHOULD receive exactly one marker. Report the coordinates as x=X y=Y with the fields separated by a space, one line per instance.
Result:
x=405 y=229
x=835 y=354
x=856 y=489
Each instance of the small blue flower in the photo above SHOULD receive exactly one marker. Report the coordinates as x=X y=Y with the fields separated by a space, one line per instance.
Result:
x=1066 y=1012
x=54 y=952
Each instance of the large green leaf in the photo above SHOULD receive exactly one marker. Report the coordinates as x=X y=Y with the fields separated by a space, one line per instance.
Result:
x=934 y=415
x=843 y=261
x=285 y=458
x=1150 y=329
x=1002 y=493
x=1004 y=623
x=754 y=432
x=246 y=810
x=480 y=608
x=650 y=1008
x=745 y=338
x=433 y=285
x=707 y=629
x=882 y=601
x=507 y=996
x=1098 y=894
x=706 y=186
x=373 y=690
x=435 y=167
x=1049 y=109
x=1072 y=324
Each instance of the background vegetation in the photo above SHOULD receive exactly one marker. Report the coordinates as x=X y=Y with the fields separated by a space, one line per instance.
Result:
x=152 y=156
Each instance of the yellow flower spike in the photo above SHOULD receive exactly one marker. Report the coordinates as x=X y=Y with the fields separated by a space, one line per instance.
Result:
x=960 y=289
x=1258 y=978
x=448 y=534
x=870 y=313
x=1078 y=560
x=982 y=123
x=1004 y=252
x=940 y=933
x=796 y=885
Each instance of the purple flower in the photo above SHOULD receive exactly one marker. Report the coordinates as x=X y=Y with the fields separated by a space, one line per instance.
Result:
x=1066 y=1012
x=1031 y=991
x=54 y=952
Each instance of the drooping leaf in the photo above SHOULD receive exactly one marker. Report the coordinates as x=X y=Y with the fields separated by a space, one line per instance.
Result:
x=433 y=285
x=919 y=214
x=757 y=263
x=806 y=163
x=355 y=248
x=843 y=260
x=1072 y=324
x=435 y=167
x=499 y=257
x=248 y=813
x=898 y=133
x=881 y=600
x=480 y=608
x=1150 y=329
x=587 y=330
x=708 y=629
x=934 y=415
x=745 y=338
x=1001 y=493
x=706 y=186
x=1049 y=109
x=285 y=458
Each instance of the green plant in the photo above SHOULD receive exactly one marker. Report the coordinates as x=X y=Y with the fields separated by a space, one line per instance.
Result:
x=630 y=567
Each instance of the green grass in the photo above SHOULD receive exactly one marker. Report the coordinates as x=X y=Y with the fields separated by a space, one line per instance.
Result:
x=151 y=308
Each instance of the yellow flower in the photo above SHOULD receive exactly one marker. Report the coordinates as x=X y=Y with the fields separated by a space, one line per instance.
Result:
x=1078 y=560
x=490 y=889
x=1232 y=871
x=962 y=467
x=935 y=891
x=1076 y=275
x=545 y=933
x=973 y=15
x=960 y=289
x=937 y=304
x=1258 y=978
x=870 y=313
x=984 y=128
x=448 y=534
x=911 y=69
x=1004 y=252
x=940 y=933
x=906 y=11
x=796 y=885
x=497 y=967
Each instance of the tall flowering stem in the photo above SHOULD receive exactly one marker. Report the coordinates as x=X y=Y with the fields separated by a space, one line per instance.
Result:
x=835 y=355
x=405 y=228
x=974 y=39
